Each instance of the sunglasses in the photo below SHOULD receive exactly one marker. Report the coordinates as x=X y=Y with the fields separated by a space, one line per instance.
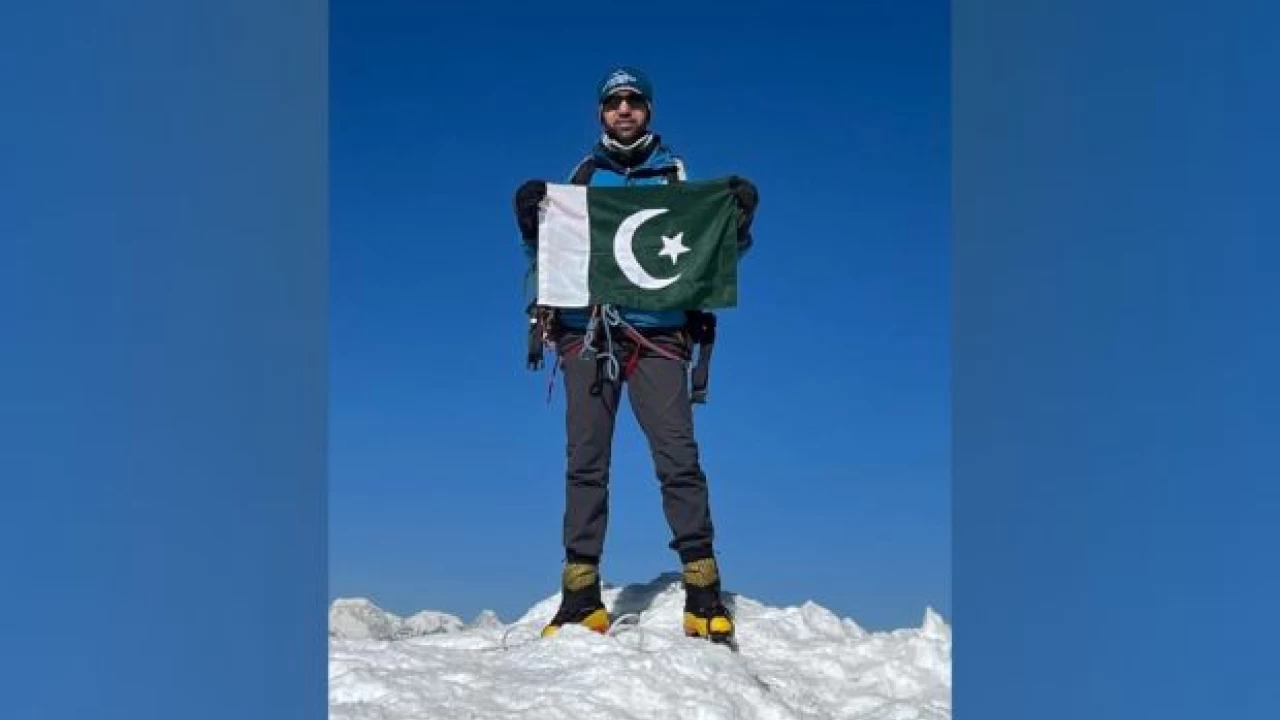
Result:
x=613 y=102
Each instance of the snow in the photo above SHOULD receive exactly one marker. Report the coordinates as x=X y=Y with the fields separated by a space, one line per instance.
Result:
x=796 y=663
x=360 y=619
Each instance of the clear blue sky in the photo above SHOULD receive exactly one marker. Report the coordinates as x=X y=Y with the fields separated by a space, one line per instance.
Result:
x=827 y=438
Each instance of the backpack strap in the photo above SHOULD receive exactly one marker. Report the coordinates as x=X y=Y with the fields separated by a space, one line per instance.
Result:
x=583 y=172
x=677 y=172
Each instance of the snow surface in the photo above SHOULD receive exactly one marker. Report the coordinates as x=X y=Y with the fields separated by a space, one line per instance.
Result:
x=793 y=663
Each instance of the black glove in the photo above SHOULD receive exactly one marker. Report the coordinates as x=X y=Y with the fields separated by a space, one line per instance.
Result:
x=746 y=193
x=527 y=200
x=748 y=197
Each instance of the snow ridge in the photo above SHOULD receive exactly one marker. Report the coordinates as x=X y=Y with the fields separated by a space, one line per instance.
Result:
x=794 y=663
x=361 y=619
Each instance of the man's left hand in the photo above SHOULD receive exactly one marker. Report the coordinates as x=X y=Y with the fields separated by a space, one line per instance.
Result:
x=745 y=192
x=748 y=197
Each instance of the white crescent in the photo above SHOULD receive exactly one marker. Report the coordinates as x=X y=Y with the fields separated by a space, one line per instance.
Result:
x=624 y=252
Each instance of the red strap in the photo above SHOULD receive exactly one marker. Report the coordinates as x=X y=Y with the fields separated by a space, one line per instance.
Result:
x=642 y=340
x=632 y=361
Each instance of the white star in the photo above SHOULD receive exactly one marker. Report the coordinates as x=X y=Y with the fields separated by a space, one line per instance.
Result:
x=673 y=246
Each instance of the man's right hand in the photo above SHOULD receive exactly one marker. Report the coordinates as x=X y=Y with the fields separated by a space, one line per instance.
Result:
x=528 y=198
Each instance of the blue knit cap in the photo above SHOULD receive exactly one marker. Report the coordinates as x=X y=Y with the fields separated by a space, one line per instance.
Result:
x=624 y=78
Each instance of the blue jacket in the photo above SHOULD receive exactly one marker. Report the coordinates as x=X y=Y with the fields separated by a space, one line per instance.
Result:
x=609 y=173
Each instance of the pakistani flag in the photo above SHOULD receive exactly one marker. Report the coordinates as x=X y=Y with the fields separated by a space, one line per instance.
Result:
x=653 y=247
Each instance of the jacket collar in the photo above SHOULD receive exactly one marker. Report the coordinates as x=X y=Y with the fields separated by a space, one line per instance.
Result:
x=655 y=157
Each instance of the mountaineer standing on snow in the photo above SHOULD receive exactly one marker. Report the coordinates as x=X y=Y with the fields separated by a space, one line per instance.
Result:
x=657 y=347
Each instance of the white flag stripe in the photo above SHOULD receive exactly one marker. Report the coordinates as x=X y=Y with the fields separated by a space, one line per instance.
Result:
x=564 y=248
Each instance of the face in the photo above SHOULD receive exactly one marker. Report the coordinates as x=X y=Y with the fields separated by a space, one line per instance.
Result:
x=625 y=115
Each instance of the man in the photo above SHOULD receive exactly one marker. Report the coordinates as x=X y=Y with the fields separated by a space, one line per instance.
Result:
x=652 y=355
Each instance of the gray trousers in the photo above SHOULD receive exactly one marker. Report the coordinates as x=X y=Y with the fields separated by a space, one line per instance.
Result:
x=658 y=390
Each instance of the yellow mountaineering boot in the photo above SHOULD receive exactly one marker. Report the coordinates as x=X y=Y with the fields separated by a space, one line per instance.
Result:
x=705 y=615
x=579 y=600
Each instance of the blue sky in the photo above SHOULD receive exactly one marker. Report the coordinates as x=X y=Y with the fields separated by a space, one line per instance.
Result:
x=827 y=439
